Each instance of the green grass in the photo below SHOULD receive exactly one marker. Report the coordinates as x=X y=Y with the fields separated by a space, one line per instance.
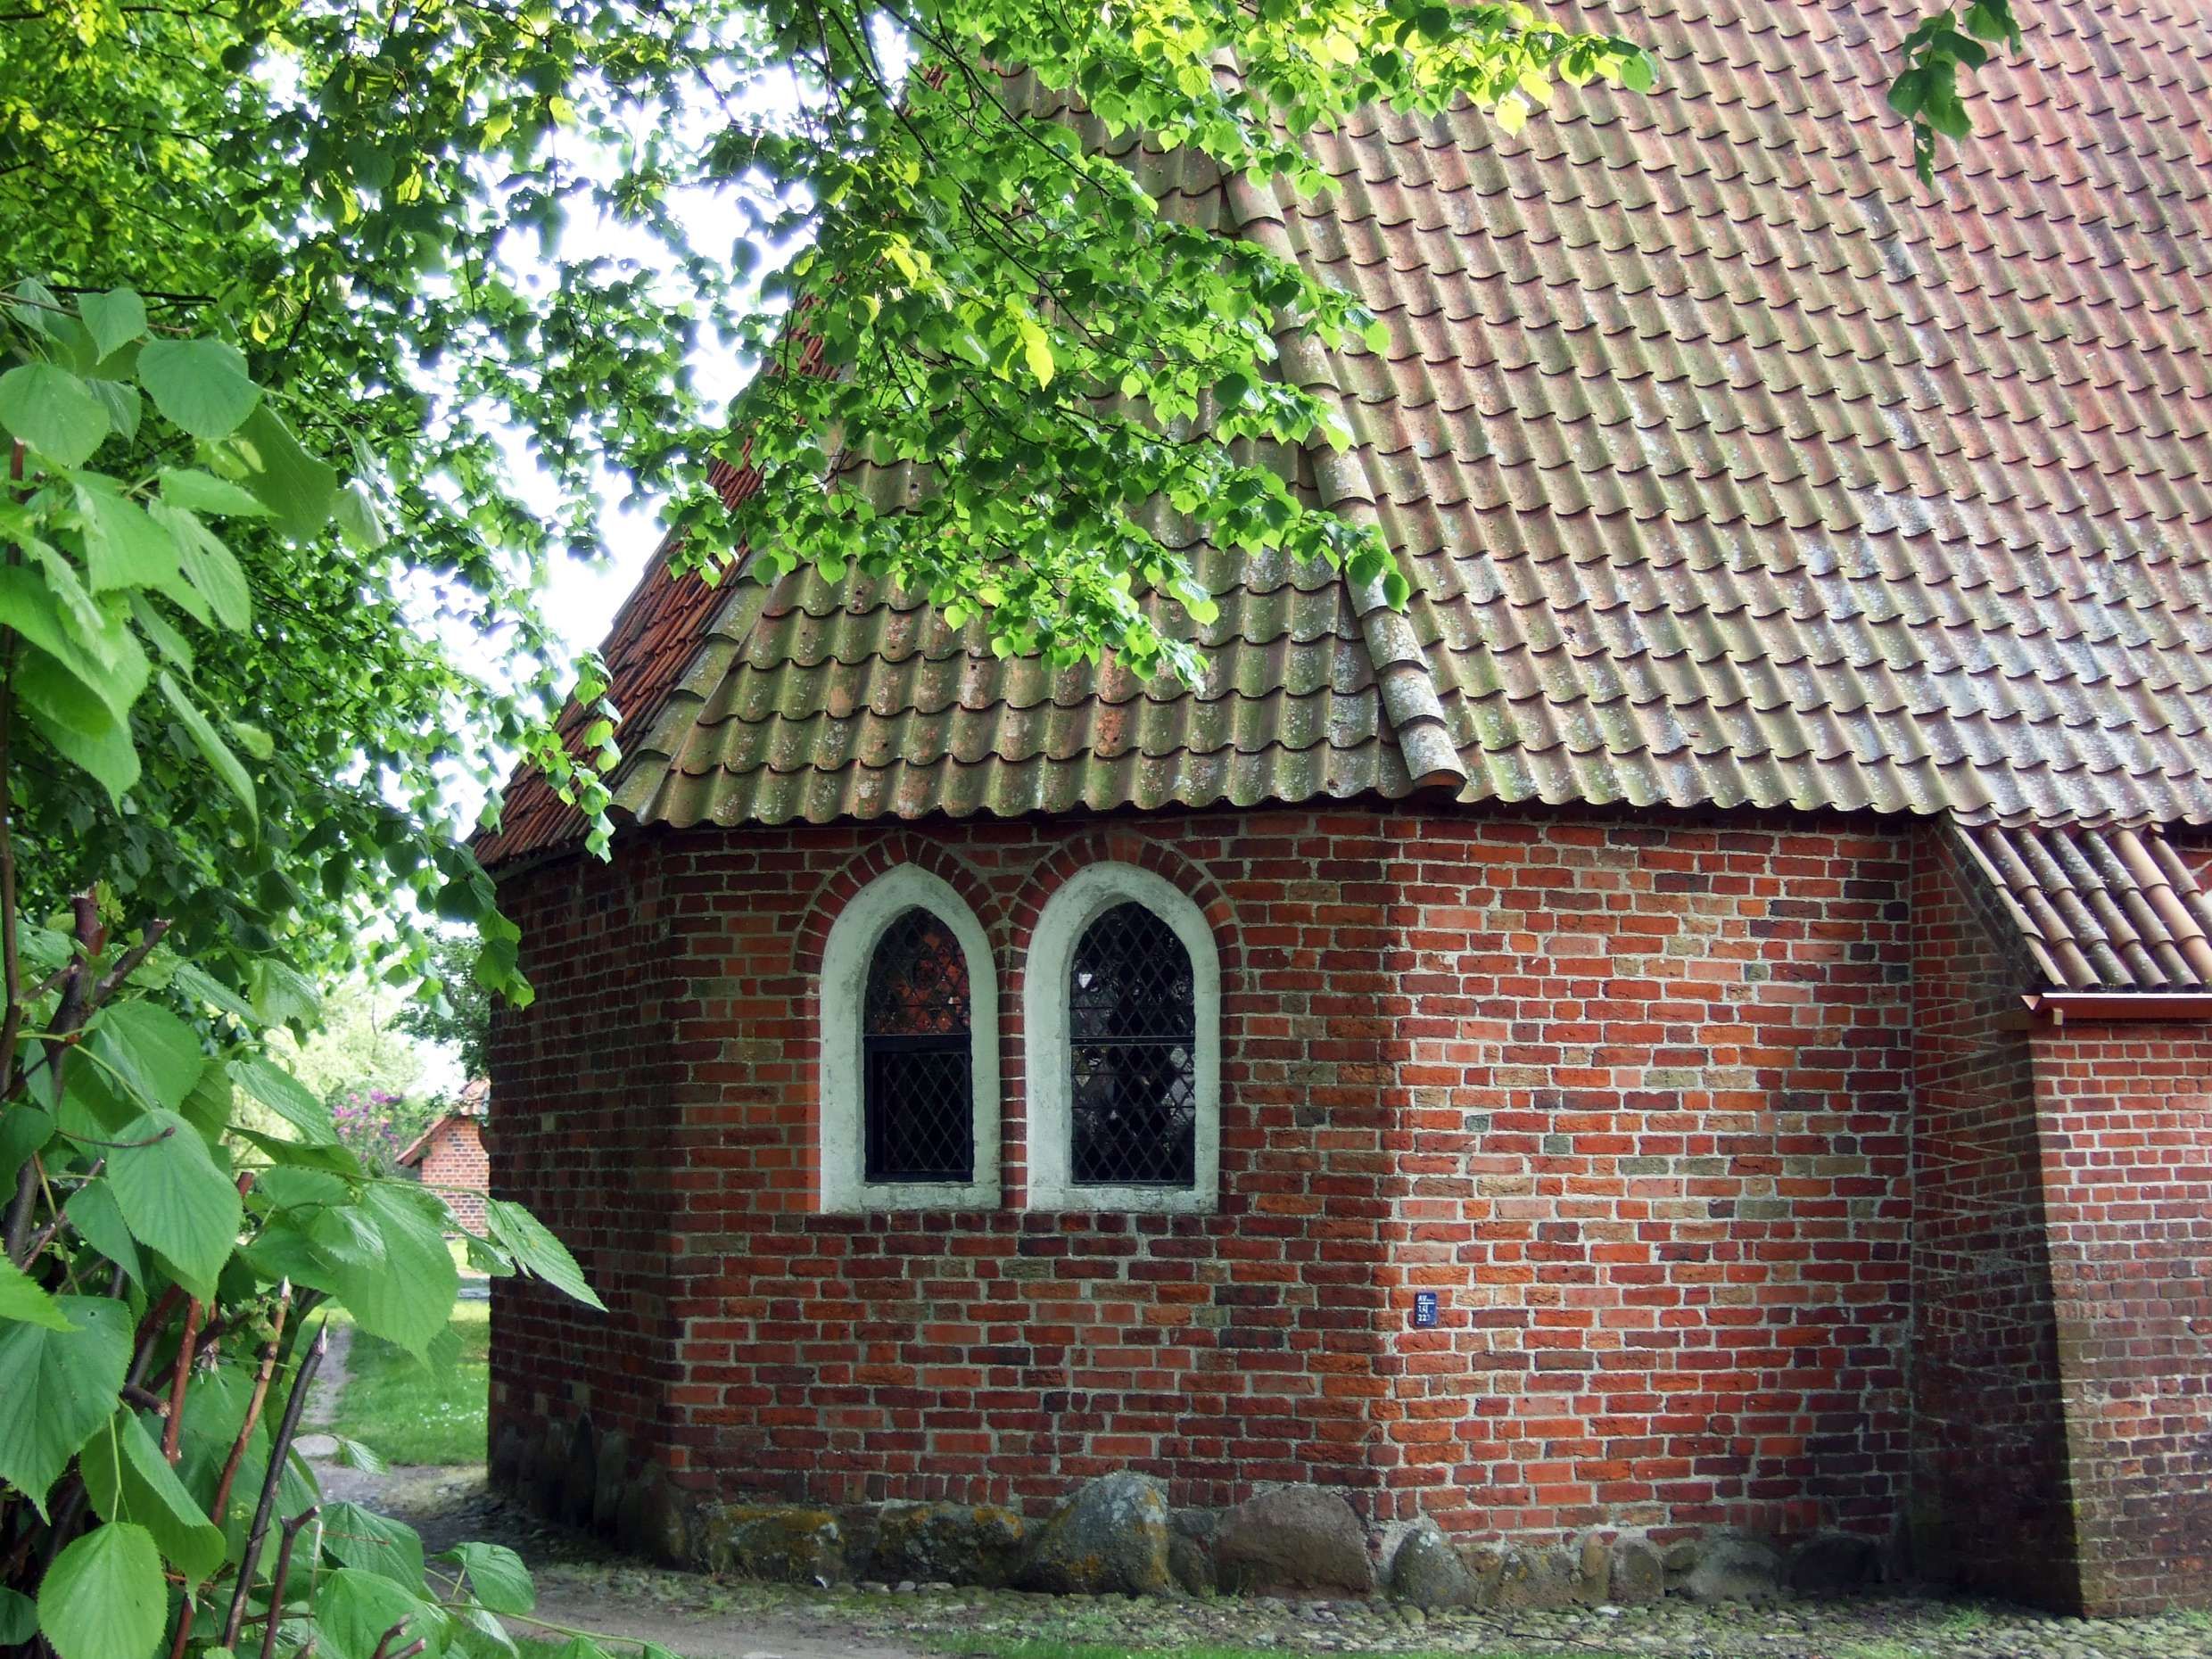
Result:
x=407 y=1412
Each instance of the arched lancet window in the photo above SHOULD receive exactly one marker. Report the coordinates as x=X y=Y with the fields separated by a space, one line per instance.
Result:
x=1122 y=1013
x=917 y=1091
x=909 y=1052
x=1133 y=1054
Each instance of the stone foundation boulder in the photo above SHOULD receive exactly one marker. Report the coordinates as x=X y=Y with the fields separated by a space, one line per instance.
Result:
x=580 y=1476
x=1191 y=1551
x=1530 y=1579
x=1637 y=1573
x=607 y=1487
x=774 y=1543
x=948 y=1543
x=1834 y=1564
x=652 y=1519
x=1294 y=1537
x=1735 y=1568
x=1112 y=1537
x=1426 y=1572
x=503 y=1470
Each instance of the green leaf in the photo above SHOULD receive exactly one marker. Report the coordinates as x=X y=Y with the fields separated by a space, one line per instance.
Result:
x=127 y=1478
x=81 y=729
x=175 y=1198
x=582 y=1647
x=123 y=547
x=204 y=493
x=498 y=1576
x=284 y=994
x=201 y=384
x=28 y=606
x=359 y=520
x=102 y=1597
x=1037 y=349
x=536 y=1250
x=359 y=1538
x=1638 y=73
x=115 y=319
x=93 y=1211
x=122 y=404
x=297 y=487
x=404 y=1293
x=486 y=1258
x=154 y=1057
x=23 y=1130
x=353 y=1609
x=333 y=1158
x=59 y=1386
x=50 y=409
x=209 y=565
x=286 y=1096
x=354 y=1455
x=22 y=1298
x=19 y=1618
x=203 y=986
x=210 y=745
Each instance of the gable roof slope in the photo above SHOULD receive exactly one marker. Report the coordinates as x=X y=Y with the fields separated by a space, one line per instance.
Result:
x=1729 y=467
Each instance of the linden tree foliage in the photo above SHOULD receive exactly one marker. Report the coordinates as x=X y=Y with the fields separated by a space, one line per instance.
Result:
x=165 y=1266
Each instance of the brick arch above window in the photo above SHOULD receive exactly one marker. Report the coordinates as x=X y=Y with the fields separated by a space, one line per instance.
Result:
x=811 y=938
x=849 y=958
x=1087 y=901
x=1126 y=846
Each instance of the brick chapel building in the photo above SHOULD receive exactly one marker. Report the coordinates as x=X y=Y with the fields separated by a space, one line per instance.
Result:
x=1738 y=940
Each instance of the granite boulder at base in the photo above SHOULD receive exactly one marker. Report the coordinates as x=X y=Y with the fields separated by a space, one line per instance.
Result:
x=1736 y=1568
x=1427 y=1573
x=1637 y=1572
x=1834 y=1564
x=948 y=1543
x=1112 y=1537
x=1294 y=1537
x=775 y=1543
x=1117 y=1535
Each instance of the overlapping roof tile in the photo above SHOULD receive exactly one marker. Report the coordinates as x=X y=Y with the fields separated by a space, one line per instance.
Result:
x=1729 y=467
x=2102 y=909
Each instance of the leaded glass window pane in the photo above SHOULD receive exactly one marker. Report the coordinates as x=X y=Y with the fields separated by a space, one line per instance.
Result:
x=915 y=1056
x=1133 y=1032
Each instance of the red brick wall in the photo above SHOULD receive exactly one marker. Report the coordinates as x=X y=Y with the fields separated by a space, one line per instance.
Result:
x=1631 y=1096
x=2125 y=1117
x=1989 y=1482
x=455 y=1163
x=1655 y=1157
x=581 y=1122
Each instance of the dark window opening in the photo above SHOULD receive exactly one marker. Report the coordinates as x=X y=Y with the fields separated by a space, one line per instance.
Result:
x=918 y=1086
x=1132 y=1035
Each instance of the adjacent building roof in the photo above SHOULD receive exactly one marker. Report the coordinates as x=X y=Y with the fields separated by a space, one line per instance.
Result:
x=1729 y=467
x=2102 y=909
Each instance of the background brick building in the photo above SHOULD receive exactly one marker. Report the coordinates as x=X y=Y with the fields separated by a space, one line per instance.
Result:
x=1737 y=938
x=450 y=1155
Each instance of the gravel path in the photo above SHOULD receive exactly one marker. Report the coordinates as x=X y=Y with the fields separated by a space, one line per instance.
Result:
x=584 y=1586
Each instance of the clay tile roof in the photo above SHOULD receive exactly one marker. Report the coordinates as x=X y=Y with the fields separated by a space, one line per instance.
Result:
x=1728 y=466
x=2102 y=909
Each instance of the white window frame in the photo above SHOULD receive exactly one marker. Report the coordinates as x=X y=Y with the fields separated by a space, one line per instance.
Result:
x=1085 y=896
x=846 y=958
